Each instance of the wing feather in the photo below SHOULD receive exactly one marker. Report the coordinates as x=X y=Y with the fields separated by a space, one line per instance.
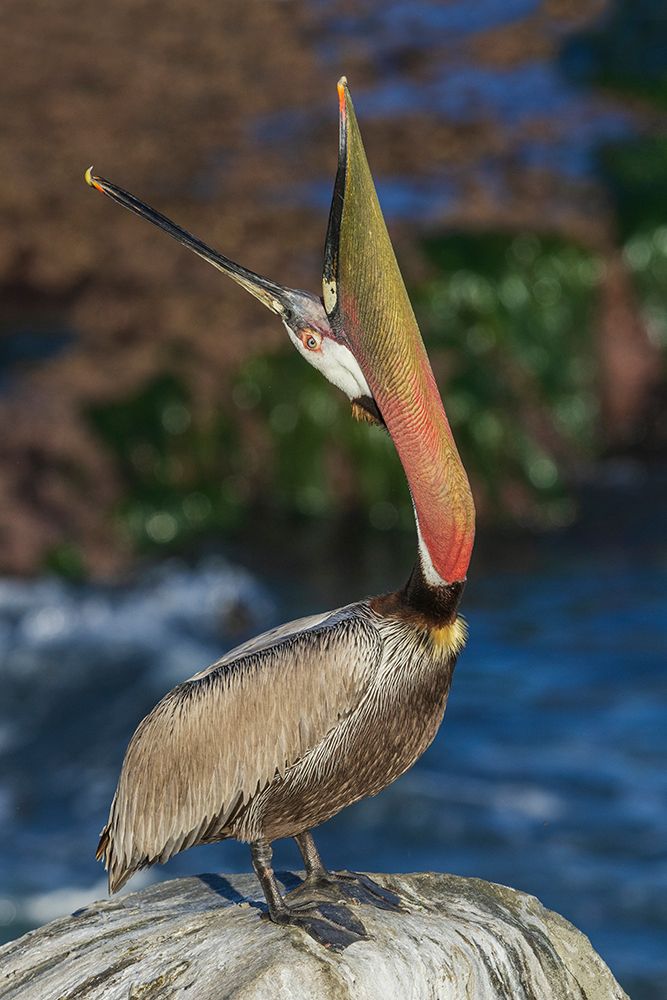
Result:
x=219 y=738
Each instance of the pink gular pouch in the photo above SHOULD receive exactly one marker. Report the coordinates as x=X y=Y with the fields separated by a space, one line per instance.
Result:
x=369 y=310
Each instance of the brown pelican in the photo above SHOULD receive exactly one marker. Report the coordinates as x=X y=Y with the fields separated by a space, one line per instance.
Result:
x=286 y=730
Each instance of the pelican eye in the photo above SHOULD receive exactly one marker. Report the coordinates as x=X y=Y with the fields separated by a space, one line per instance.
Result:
x=311 y=340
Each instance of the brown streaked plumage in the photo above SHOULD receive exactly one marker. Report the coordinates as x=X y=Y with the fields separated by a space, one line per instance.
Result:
x=242 y=722
x=289 y=728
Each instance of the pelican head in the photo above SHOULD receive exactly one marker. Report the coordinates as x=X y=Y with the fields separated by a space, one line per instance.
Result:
x=302 y=314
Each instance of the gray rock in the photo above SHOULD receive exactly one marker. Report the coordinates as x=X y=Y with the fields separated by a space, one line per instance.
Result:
x=202 y=939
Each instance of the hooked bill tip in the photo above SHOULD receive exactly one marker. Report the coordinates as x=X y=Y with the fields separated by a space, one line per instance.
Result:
x=91 y=180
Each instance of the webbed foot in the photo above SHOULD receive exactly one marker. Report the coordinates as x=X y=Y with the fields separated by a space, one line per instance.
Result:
x=330 y=924
x=350 y=886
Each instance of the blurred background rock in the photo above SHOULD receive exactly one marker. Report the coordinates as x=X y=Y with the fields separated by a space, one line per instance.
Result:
x=152 y=411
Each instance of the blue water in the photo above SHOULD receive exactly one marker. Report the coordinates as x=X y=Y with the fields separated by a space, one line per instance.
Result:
x=548 y=773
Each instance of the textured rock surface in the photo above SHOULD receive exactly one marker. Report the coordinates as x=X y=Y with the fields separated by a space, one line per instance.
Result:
x=202 y=938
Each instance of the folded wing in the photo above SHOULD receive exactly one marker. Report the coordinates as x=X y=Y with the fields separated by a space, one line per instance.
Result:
x=218 y=739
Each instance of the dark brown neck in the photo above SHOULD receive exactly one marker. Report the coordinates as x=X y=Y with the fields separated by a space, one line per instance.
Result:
x=421 y=602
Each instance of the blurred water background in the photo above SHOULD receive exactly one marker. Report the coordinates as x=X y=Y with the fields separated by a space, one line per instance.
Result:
x=172 y=478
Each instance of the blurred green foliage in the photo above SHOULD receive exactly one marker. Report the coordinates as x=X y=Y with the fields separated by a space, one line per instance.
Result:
x=635 y=173
x=646 y=256
x=178 y=476
x=636 y=176
x=67 y=561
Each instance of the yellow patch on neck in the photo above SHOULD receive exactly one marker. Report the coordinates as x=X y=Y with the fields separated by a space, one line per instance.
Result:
x=452 y=637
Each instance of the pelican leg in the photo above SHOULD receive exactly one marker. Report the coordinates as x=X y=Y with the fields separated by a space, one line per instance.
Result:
x=261 y=861
x=328 y=923
x=312 y=862
x=357 y=888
